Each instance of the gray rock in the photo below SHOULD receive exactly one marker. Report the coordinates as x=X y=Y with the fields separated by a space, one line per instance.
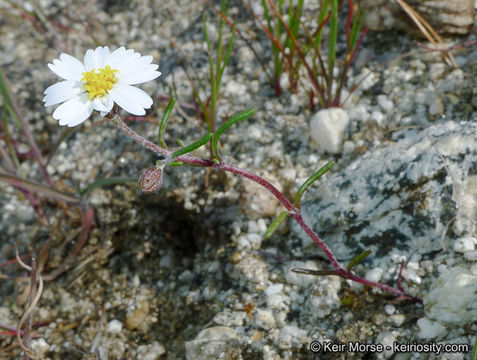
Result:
x=446 y=16
x=400 y=197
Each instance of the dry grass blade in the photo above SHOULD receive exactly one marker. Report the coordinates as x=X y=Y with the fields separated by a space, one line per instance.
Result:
x=28 y=315
x=428 y=32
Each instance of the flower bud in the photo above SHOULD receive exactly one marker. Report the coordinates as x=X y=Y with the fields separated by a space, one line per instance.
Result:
x=151 y=180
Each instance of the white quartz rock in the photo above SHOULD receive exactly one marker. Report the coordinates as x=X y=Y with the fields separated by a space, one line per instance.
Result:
x=327 y=128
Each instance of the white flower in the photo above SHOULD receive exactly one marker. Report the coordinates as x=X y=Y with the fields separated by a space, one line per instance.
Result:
x=103 y=79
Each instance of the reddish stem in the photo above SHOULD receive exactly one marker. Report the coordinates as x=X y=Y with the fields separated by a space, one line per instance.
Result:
x=293 y=211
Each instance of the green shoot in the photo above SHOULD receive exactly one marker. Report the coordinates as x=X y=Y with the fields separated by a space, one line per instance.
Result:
x=310 y=181
x=276 y=224
x=165 y=117
x=216 y=69
x=225 y=126
x=357 y=259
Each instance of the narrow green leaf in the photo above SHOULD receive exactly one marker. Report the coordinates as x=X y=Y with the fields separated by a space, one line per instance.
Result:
x=165 y=117
x=195 y=145
x=310 y=181
x=226 y=58
x=356 y=28
x=4 y=88
x=321 y=18
x=176 y=163
x=106 y=182
x=357 y=259
x=225 y=126
x=276 y=224
x=295 y=20
x=474 y=351
x=277 y=60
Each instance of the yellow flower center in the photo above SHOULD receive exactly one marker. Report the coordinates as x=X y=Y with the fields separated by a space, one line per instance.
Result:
x=99 y=81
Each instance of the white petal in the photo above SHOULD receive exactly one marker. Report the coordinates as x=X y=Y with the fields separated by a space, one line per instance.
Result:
x=131 y=99
x=67 y=67
x=103 y=104
x=122 y=56
x=134 y=64
x=138 y=77
x=62 y=91
x=74 y=111
x=116 y=56
x=95 y=59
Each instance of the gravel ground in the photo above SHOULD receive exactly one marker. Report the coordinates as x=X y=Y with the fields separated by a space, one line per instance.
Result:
x=186 y=272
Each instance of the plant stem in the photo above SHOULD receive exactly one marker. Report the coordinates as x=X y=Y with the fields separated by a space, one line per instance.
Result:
x=293 y=211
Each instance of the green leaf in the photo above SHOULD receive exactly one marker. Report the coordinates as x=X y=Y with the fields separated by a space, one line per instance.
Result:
x=176 y=163
x=210 y=115
x=321 y=17
x=357 y=259
x=356 y=28
x=165 y=117
x=310 y=181
x=226 y=58
x=276 y=224
x=106 y=182
x=195 y=145
x=225 y=126
x=4 y=88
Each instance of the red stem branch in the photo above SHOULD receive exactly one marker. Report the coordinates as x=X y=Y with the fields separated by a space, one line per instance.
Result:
x=293 y=211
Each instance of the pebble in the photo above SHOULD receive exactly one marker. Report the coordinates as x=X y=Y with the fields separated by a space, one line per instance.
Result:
x=327 y=129
x=397 y=319
x=465 y=244
x=278 y=301
x=264 y=319
x=442 y=304
x=429 y=329
x=389 y=309
x=323 y=297
x=230 y=318
x=151 y=352
x=114 y=327
x=249 y=241
x=40 y=347
x=253 y=268
x=218 y=342
x=137 y=316
x=471 y=256
x=291 y=335
x=436 y=107
x=387 y=338
x=374 y=274
x=385 y=104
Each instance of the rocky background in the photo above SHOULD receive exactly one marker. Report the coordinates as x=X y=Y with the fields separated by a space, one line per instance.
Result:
x=186 y=272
